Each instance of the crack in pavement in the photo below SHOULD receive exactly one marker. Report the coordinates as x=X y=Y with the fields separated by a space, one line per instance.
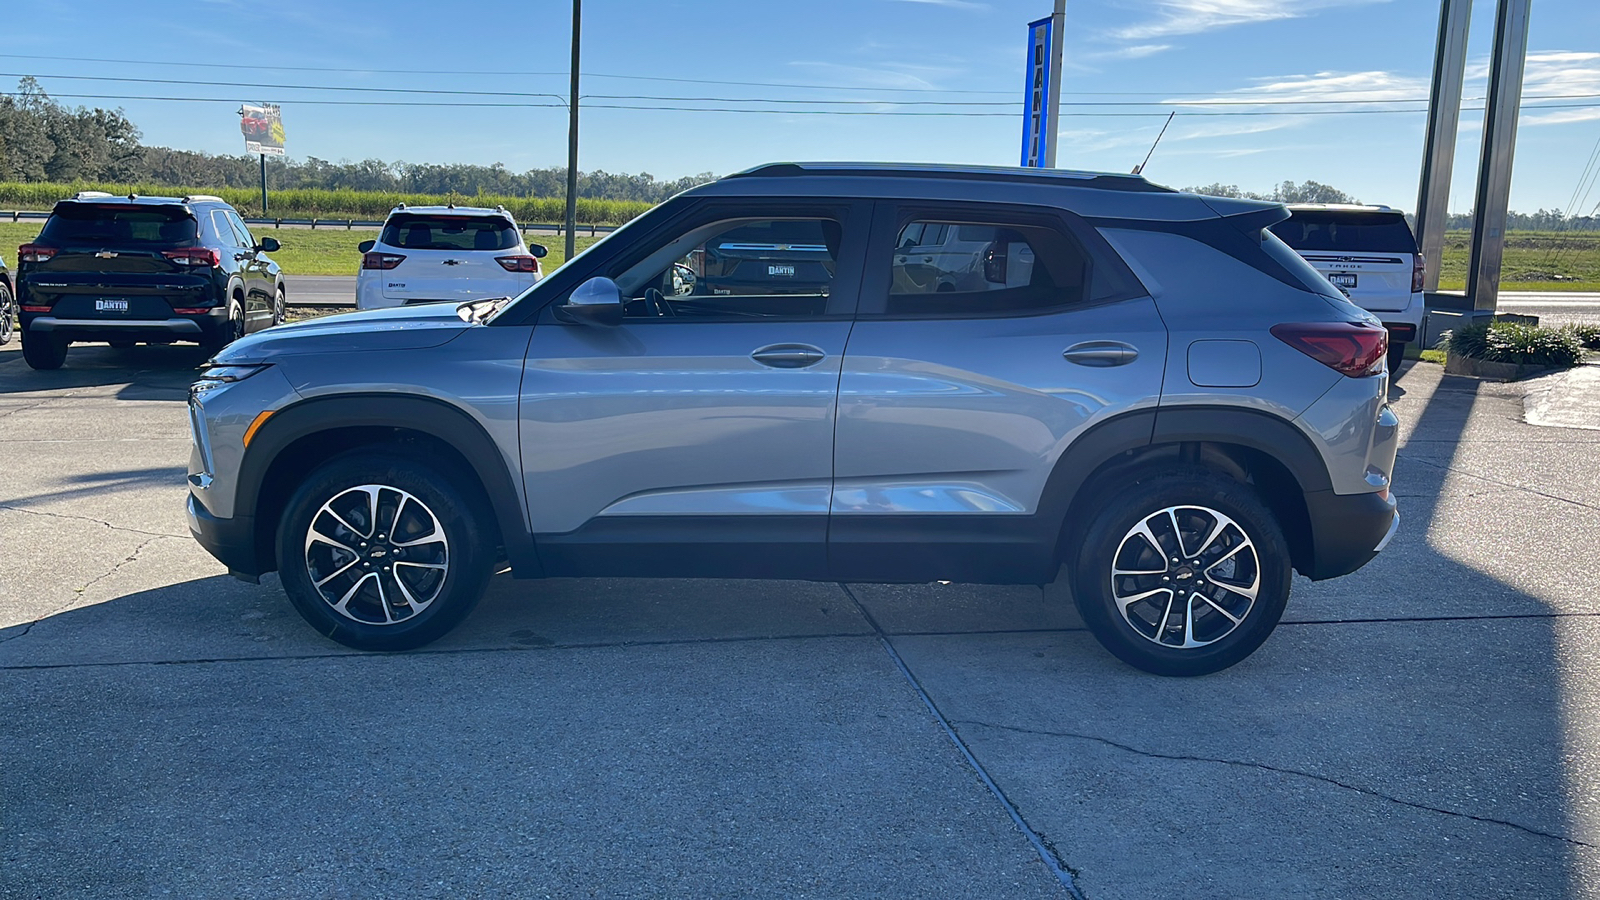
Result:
x=1243 y=764
x=13 y=412
x=79 y=592
x=1516 y=487
x=35 y=512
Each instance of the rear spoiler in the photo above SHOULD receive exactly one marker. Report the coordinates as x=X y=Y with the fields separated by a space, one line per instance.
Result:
x=1249 y=216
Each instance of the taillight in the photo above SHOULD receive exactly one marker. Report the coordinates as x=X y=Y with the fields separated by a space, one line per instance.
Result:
x=194 y=256
x=518 y=263
x=1418 y=270
x=35 y=253
x=381 y=260
x=1350 y=348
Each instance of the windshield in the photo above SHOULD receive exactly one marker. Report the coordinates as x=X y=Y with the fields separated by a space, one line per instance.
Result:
x=445 y=232
x=1385 y=232
x=107 y=224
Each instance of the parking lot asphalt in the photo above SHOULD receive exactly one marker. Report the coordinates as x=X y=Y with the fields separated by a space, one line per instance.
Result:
x=1425 y=726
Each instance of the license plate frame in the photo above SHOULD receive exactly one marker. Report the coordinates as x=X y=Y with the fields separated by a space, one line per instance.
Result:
x=1342 y=279
x=120 y=306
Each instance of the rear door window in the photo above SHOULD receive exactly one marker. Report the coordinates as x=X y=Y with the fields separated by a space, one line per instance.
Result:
x=445 y=232
x=120 y=225
x=975 y=268
x=1362 y=232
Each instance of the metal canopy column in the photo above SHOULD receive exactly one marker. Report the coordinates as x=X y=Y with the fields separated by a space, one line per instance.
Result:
x=1444 y=115
x=1499 y=144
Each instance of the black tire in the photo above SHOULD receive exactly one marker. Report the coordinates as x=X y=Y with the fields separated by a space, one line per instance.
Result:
x=1397 y=354
x=280 y=307
x=8 y=314
x=231 y=331
x=1151 y=647
x=44 y=351
x=468 y=550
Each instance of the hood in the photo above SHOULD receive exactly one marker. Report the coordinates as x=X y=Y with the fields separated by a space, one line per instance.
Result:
x=402 y=328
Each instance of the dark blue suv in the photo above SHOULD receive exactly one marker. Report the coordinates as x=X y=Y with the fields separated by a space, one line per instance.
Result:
x=126 y=270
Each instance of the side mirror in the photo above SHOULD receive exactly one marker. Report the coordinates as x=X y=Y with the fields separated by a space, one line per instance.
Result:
x=597 y=301
x=537 y=251
x=269 y=245
x=366 y=246
x=994 y=262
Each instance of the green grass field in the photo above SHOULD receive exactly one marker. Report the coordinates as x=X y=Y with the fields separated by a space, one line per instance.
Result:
x=305 y=251
x=1532 y=258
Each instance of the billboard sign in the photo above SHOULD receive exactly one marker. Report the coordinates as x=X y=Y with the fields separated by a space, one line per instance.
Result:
x=262 y=127
x=1038 y=131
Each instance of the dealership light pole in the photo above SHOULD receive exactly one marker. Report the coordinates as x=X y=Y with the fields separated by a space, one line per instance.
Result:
x=572 y=132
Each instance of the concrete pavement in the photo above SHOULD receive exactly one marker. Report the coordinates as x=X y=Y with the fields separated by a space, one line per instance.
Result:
x=1426 y=725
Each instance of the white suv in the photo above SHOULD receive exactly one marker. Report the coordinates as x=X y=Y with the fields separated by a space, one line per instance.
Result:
x=1370 y=254
x=434 y=254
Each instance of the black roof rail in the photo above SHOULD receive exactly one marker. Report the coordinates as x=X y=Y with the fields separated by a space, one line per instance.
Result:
x=1106 y=181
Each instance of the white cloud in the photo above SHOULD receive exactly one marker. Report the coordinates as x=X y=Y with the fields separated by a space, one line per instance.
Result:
x=1178 y=17
x=1134 y=51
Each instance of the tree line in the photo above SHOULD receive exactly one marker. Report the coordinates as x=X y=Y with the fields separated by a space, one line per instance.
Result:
x=43 y=140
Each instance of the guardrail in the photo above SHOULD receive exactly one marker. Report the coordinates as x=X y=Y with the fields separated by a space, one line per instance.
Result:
x=346 y=224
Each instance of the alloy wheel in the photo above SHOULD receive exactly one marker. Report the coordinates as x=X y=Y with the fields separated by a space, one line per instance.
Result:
x=1185 y=576
x=8 y=315
x=377 y=554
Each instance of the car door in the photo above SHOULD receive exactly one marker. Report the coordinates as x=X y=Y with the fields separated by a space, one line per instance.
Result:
x=696 y=437
x=257 y=281
x=955 y=405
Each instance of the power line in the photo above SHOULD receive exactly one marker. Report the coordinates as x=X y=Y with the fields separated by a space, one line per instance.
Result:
x=787 y=112
x=786 y=102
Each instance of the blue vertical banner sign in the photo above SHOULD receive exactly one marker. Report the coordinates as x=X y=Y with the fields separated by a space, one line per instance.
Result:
x=1038 y=125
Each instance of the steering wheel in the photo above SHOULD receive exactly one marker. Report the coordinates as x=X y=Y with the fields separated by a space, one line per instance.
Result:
x=657 y=304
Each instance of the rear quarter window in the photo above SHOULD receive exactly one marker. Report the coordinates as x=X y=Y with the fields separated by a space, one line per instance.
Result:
x=109 y=225
x=443 y=232
x=1351 y=231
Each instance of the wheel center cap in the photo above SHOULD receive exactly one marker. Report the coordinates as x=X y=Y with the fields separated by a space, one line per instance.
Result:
x=1184 y=573
x=378 y=553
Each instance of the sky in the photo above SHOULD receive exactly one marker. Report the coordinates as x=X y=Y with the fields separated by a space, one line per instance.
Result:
x=1126 y=62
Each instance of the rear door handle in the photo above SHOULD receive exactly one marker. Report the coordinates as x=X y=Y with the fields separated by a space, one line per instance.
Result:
x=1101 y=354
x=788 y=356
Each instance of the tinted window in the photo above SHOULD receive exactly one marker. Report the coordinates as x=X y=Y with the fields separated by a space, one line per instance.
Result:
x=969 y=267
x=156 y=226
x=246 y=239
x=225 y=230
x=1355 y=231
x=764 y=267
x=1309 y=278
x=444 y=232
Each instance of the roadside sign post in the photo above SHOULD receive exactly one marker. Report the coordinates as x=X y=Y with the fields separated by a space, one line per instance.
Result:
x=1042 y=105
x=572 y=134
x=262 y=127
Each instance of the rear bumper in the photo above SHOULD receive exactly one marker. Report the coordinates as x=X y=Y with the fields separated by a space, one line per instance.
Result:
x=231 y=541
x=197 y=327
x=1348 y=530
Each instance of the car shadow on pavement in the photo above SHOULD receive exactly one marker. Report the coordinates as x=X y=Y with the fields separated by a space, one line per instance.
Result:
x=146 y=372
x=1408 y=729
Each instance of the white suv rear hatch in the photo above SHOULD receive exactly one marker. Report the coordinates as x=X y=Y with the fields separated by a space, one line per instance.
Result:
x=449 y=256
x=1368 y=252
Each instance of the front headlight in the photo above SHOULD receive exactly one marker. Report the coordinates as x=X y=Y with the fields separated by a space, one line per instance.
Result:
x=213 y=377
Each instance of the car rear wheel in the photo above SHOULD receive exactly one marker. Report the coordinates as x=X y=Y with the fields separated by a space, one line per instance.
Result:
x=1397 y=354
x=231 y=331
x=8 y=314
x=43 y=350
x=1182 y=573
x=279 y=307
x=381 y=551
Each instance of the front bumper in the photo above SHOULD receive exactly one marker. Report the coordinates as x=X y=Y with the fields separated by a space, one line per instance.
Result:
x=231 y=541
x=1348 y=530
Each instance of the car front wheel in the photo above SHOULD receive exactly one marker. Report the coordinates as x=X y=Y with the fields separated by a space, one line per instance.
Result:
x=381 y=551
x=1182 y=573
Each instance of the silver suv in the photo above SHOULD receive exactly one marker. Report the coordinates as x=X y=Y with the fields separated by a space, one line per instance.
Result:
x=1141 y=385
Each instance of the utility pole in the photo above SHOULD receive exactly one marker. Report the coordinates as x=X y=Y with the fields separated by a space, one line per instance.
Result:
x=572 y=132
x=1058 y=25
x=263 y=184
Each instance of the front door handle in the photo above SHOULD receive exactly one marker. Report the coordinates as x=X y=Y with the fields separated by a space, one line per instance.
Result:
x=1101 y=354
x=788 y=356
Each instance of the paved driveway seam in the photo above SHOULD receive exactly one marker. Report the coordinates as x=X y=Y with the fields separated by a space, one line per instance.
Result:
x=1245 y=764
x=1066 y=874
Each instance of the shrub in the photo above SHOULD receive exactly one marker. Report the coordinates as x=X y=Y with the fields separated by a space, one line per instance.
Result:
x=1588 y=334
x=1513 y=342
